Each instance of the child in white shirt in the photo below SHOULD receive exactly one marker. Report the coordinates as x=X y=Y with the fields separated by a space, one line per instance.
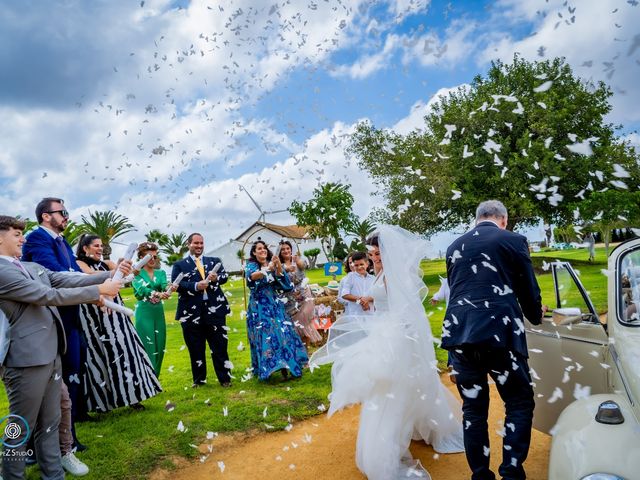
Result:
x=356 y=286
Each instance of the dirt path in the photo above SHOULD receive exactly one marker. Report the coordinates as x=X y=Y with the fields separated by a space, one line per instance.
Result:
x=324 y=448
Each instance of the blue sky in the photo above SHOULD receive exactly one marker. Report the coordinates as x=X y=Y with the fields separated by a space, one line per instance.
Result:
x=161 y=109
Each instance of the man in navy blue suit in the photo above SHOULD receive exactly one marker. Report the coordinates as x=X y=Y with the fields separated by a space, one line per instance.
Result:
x=493 y=288
x=202 y=310
x=47 y=247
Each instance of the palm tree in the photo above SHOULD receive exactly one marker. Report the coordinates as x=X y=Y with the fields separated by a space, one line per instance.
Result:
x=361 y=229
x=108 y=226
x=73 y=232
x=28 y=224
x=174 y=246
x=156 y=236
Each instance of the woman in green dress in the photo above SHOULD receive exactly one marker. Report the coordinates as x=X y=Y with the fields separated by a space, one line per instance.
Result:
x=150 y=288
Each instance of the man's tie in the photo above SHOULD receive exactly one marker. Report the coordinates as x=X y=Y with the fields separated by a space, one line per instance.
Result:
x=17 y=263
x=63 y=248
x=200 y=267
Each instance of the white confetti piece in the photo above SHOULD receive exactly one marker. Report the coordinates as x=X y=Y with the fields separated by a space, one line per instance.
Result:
x=471 y=392
x=555 y=396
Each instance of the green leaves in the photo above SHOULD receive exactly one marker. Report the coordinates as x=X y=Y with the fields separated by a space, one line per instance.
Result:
x=174 y=246
x=108 y=225
x=328 y=211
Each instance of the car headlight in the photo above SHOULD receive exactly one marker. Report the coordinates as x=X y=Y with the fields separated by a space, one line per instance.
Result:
x=602 y=476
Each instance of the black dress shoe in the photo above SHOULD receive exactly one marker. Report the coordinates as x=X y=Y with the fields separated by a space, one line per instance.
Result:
x=225 y=384
x=79 y=447
x=85 y=417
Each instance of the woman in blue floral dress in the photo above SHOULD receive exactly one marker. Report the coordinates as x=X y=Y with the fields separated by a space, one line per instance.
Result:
x=275 y=344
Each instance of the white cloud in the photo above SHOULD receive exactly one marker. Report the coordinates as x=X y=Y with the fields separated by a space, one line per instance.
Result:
x=162 y=109
x=415 y=119
x=221 y=211
x=370 y=64
x=430 y=49
x=405 y=8
x=426 y=49
x=633 y=139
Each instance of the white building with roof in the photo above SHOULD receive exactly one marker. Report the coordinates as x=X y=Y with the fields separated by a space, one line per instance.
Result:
x=271 y=234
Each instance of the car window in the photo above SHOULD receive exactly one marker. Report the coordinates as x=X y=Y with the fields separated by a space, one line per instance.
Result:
x=568 y=294
x=629 y=288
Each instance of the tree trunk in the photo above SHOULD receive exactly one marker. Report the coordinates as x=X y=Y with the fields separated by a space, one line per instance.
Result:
x=548 y=232
x=106 y=250
x=324 y=250
x=606 y=236
x=511 y=223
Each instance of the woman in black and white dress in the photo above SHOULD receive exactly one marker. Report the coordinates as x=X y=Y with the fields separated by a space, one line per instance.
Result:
x=118 y=372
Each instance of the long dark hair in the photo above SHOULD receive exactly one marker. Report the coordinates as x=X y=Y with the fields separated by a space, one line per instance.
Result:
x=285 y=242
x=373 y=240
x=347 y=267
x=85 y=240
x=252 y=252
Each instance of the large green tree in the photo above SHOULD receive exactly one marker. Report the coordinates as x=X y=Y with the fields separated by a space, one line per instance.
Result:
x=108 y=225
x=325 y=214
x=530 y=134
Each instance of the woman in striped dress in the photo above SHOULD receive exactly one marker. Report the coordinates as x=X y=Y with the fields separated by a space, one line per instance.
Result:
x=118 y=372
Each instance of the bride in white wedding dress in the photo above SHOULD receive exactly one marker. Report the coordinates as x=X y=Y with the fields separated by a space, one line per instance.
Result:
x=386 y=362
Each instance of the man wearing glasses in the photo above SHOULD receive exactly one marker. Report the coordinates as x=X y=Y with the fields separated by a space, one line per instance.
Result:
x=46 y=246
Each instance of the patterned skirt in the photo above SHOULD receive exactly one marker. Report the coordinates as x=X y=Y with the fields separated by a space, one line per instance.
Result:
x=117 y=370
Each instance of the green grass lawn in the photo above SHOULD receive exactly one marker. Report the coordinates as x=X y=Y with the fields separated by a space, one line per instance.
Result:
x=129 y=444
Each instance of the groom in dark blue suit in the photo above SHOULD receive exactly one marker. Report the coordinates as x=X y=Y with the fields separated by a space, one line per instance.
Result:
x=202 y=310
x=493 y=288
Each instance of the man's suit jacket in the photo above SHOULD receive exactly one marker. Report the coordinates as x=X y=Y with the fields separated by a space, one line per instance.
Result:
x=40 y=247
x=190 y=300
x=493 y=287
x=29 y=302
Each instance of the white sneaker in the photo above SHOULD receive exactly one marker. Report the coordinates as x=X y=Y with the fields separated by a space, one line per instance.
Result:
x=73 y=465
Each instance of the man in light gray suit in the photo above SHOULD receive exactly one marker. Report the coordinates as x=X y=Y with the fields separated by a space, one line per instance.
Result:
x=31 y=369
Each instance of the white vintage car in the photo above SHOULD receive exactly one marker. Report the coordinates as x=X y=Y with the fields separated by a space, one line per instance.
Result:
x=587 y=374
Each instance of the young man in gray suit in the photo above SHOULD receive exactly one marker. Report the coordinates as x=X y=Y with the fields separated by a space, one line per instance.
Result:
x=31 y=369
